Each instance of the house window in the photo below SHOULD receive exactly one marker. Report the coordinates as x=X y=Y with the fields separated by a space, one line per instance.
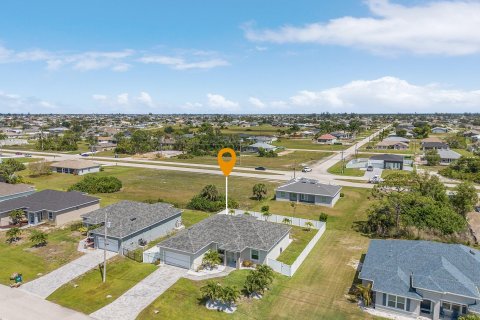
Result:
x=282 y=194
x=396 y=302
x=50 y=215
x=454 y=308
x=254 y=254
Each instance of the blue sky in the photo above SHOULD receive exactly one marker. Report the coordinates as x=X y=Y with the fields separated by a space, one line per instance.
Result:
x=239 y=56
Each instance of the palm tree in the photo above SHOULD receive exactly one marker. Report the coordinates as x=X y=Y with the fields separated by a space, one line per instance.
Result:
x=230 y=295
x=210 y=192
x=211 y=291
x=266 y=273
x=13 y=234
x=16 y=216
x=294 y=207
x=259 y=191
x=38 y=238
x=211 y=259
x=286 y=221
x=266 y=212
x=308 y=225
x=365 y=292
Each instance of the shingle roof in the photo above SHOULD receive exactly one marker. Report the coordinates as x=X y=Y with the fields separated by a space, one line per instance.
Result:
x=263 y=145
x=50 y=200
x=387 y=157
x=75 y=164
x=434 y=266
x=449 y=154
x=128 y=217
x=327 y=136
x=398 y=139
x=310 y=186
x=11 y=189
x=434 y=144
x=232 y=233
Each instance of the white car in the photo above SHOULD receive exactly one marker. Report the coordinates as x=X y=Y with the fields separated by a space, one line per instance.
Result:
x=307 y=169
x=375 y=179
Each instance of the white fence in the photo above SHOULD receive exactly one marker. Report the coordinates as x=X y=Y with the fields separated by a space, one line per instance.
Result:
x=280 y=267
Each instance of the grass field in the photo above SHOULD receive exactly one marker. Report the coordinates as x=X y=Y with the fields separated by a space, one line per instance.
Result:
x=91 y=293
x=308 y=144
x=464 y=152
x=317 y=291
x=262 y=130
x=352 y=172
x=21 y=257
x=301 y=237
x=297 y=159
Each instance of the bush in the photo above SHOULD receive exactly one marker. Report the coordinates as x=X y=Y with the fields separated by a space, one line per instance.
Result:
x=342 y=195
x=41 y=168
x=247 y=263
x=96 y=184
x=323 y=217
x=202 y=204
x=38 y=238
x=185 y=156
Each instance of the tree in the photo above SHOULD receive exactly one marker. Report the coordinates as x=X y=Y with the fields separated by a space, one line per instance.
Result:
x=38 y=238
x=211 y=291
x=294 y=207
x=308 y=225
x=470 y=316
x=286 y=221
x=97 y=184
x=230 y=295
x=40 y=168
x=13 y=234
x=259 y=280
x=16 y=216
x=432 y=157
x=266 y=212
x=259 y=191
x=211 y=258
x=365 y=293
x=210 y=192
x=465 y=198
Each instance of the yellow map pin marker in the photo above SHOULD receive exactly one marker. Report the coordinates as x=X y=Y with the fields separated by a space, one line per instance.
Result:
x=226 y=166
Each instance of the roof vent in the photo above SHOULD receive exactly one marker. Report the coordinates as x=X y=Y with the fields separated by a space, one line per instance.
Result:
x=133 y=219
x=472 y=252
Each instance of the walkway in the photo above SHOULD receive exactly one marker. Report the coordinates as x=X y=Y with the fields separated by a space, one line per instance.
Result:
x=47 y=284
x=16 y=304
x=224 y=273
x=132 y=302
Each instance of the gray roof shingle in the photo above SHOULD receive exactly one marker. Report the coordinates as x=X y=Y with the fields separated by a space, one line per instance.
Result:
x=128 y=217
x=310 y=186
x=50 y=200
x=7 y=189
x=231 y=233
x=434 y=266
x=387 y=157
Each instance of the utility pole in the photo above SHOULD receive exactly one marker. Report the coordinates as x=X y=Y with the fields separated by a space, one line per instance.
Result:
x=107 y=225
x=343 y=164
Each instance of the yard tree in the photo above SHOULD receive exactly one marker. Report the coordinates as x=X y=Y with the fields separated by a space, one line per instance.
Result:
x=230 y=295
x=211 y=258
x=365 y=293
x=308 y=225
x=210 y=192
x=13 y=234
x=38 y=238
x=432 y=157
x=211 y=291
x=16 y=216
x=266 y=212
x=40 y=168
x=464 y=198
x=259 y=191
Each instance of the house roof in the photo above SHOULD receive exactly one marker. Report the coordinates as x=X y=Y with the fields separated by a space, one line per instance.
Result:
x=7 y=189
x=263 y=145
x=327 y=136
x=231 y=233
x=397 y=139
x=387 y=157
x=392 y=143
x=310 y=186
x=50 y=200
x=75 y=164
x=432 y=144
x=439 y=267
x=431 y=139
x=449 y=154
x=128 y=217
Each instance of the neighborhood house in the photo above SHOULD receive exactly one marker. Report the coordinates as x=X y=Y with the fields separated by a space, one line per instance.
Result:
x=76 y=167
x=308 y=191
x=236 y=238
x=423 y=278
x=387 y=161
x=11 y=191
x=327 y=139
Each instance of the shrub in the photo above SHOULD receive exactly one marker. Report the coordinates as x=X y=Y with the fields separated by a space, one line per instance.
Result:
x=38 y=238
x=185 y=156
x=342 y=195
x=41 y=168
x=96 y=184
x=247 y=263
x=13 y=234
x=210 y=200
x=323 y=217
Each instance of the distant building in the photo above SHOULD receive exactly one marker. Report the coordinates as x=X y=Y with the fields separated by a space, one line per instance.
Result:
x=76 y=167
x=327 y=139
x=448 y=156
x=261 y=145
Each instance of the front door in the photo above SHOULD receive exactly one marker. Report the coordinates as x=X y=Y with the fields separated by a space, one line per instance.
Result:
x=231 y=261
x=31 y=218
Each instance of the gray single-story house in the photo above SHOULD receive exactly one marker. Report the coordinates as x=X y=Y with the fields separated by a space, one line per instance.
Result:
x=76 y=167
x=387 y=161
x=308 y=191
x=236 y=238
x=423 y=278
x=265 y=146
x=439 y=130
x=58 y=207
x=11 y=191
x=448 y=156
x=132 y=224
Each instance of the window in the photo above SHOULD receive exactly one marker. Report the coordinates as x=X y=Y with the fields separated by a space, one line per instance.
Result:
x=453 y=307
x=50 y=215
x=282 y=194
x=396 y=302
x=254 y=254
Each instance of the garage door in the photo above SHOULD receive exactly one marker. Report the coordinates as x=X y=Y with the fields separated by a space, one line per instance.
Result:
x=177 y=259
x=112 y=244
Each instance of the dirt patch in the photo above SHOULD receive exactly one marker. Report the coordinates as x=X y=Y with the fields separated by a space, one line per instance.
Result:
x=285 y=152
x=354 y=263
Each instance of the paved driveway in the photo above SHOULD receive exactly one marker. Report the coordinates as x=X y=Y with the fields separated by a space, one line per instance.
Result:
x=16 y=304
x=370 y=174
x=132 y=302
x=47 y=284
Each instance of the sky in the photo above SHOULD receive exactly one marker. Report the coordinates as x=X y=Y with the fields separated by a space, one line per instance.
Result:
x=239 y=56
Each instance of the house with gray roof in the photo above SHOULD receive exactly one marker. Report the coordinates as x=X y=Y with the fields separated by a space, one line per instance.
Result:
x=448 y=156
x=260 y=145
x=423 y=278
x=236 y=238
x=132 y=224
x=58 y=207
x=310 y=191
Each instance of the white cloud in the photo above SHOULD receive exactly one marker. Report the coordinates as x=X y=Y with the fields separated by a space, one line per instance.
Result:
x=442 y=27
x=217 y=101
x=179 y=63
x=125 y=102
x=386 y=95
x=122 y=99
x=18 y=104
x=145 y=99
x=256 y=102
x=99 y=97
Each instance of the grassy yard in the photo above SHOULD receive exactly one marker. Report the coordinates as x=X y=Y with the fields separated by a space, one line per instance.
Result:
x=388 y=172
x=301 y=237
x=414 y=147
x=317 y=291
x=91 y=293
x=464 y=152
x=288 y=161
x=23 y=258
x=308 y=144
x=28 y=160
x=352 y=172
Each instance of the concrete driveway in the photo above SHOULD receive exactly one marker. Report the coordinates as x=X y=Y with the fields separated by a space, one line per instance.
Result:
x=370 y=174
x=16 y=304
x=47 y=284
x=132 y=302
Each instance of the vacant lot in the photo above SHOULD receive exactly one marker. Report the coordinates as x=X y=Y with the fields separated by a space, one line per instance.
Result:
x=262 y=130
x=21 y=257
x=317 y=291
x=339 y=169
x=308 y=144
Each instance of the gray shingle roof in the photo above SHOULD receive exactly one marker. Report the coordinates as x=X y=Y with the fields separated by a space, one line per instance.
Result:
x=387 y=157
x=449 y=154
x=11 y=189
x=231 y=233
x=310 y=186
x=128 y=217
x=50 y=200
x=434 y=266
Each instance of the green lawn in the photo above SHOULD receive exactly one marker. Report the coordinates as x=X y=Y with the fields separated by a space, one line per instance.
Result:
x=91 y=293
x=21 y=257
x=301 y=237
x=352 y=172
x=307 y=144
x=464 y=152
x=262 y=130
x=317 y=291
x=387 y=172
x=28 y=160
x=288 y=161
x=414 y=146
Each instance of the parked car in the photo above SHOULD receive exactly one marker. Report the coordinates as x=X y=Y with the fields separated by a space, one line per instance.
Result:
x=375 y=179
x=84 y=154
x=307 y=169
x=477 y=208
x=18 y=153
x=261 y=168
x=370 y=168
x=28 y=155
